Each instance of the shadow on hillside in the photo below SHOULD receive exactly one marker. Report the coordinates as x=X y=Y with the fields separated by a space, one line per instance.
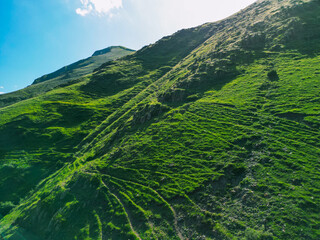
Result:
x=303 y=33
x=193 y=88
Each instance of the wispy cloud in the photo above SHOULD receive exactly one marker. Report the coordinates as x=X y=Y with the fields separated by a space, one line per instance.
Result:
x=100 y=7
x=2 y=87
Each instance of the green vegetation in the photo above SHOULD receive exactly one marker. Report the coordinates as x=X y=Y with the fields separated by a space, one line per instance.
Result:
x=211 y=133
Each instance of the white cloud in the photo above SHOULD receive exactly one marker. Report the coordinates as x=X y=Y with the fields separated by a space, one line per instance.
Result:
x=2 y=93
x=85 y=11
x=1 y=87
x=99 y=7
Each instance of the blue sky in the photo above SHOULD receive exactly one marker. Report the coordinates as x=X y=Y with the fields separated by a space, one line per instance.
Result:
x=39 y=37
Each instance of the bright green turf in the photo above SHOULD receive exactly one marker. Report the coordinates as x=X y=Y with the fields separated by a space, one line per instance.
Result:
x=218 y=138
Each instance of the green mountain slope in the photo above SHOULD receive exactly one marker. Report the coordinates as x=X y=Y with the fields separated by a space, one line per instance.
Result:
x=66 y=75
x=211 y=133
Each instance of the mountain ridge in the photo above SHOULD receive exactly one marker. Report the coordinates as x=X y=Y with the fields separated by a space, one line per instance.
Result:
x=69 y=68
x=65 y=75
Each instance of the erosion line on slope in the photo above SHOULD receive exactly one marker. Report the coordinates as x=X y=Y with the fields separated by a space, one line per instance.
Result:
x=124 y=209
x=160 y=197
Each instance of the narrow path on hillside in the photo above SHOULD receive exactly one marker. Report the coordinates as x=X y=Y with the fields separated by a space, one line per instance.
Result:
x=160 y=197
x=124 y=209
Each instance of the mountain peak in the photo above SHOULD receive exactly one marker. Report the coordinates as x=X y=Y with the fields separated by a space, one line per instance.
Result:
x=109 y=49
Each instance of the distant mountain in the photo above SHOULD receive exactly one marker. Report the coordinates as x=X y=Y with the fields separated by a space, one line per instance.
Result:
x=66 y=75
x=86 y=66
x=210 y=133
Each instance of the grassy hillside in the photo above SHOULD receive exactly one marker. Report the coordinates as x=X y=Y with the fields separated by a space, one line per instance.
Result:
x=38 y=136
x=65 y=76
x=211 y=133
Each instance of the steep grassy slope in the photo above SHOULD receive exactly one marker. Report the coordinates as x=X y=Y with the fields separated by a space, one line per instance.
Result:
x=39 y=135
x=212 y=133
x=66 y=75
